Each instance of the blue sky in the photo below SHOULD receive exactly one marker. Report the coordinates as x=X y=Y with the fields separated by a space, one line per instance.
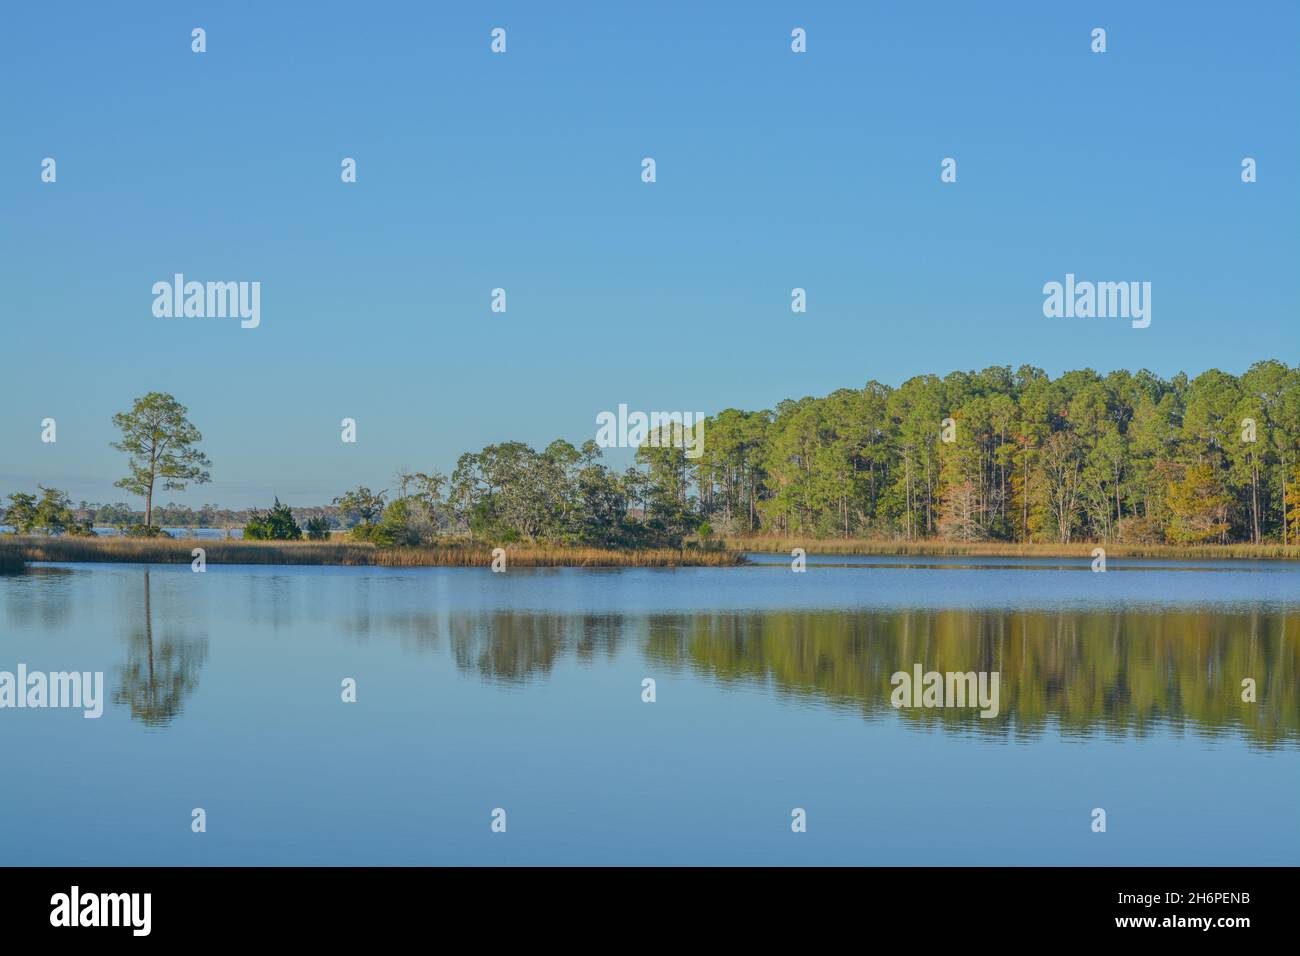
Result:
x=522 y=171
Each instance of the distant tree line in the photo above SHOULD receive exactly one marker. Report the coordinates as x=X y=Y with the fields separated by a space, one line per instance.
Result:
x=1018 y=456
x=992 y=455
x=122 y=516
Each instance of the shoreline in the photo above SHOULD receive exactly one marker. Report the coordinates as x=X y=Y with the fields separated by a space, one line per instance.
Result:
x=884 y=547
x=16 y=551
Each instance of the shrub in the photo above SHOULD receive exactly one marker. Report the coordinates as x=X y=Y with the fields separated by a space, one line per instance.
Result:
x=21 y=512
x=274 y=525
x=362 y=508
x=143 y=531
x=406 y=522
x=50 y=514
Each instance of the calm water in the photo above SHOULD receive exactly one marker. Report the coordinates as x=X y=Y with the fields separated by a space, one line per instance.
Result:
x=523 y=691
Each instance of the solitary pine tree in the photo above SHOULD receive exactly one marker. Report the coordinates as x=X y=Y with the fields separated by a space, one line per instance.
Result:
x=160 y=441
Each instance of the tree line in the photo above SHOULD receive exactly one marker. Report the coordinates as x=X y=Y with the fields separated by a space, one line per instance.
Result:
x=1018 y=456
x=996 y=455
x=1000 y=454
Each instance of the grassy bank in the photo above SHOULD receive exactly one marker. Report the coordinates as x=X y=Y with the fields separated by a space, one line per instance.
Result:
x=727 y=552
x=178 y=551
x=1007 y=549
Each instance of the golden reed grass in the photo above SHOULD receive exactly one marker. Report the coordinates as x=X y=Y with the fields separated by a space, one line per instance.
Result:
x=15 y=550
x=1008 y=549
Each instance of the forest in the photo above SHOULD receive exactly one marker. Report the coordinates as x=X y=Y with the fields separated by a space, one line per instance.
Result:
x=1018 y=456
x=998 y=455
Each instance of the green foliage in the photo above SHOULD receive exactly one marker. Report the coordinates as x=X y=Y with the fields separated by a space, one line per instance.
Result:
x=1080 y=457
x=416 y=516
x=160 y=441
x=21 y=512
x=51 y=514
x=403 y=524
x=1000 y=454
x=511 y=492
x=996 y=455
x=1199 y=506
x=318 y=529
x=359 y=509
x=143 y=531
x=277 y=524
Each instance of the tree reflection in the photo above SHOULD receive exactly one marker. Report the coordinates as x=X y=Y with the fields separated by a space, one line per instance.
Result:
x=1116 y=672
x=159 y=675
x=515 y=646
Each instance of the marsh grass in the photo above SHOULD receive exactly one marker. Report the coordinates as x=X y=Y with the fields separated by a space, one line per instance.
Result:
x=15 y=551
x=1008 y=549
x=462 y=554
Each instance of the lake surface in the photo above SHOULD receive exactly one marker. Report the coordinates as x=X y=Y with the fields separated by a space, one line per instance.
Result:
x=523 y=691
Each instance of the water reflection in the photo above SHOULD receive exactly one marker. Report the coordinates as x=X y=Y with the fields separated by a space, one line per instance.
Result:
x=159 y=674
x=513 y=646
x=40 y=596
x=1116 y=672
x=1071 y=672
x=1064 y=671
